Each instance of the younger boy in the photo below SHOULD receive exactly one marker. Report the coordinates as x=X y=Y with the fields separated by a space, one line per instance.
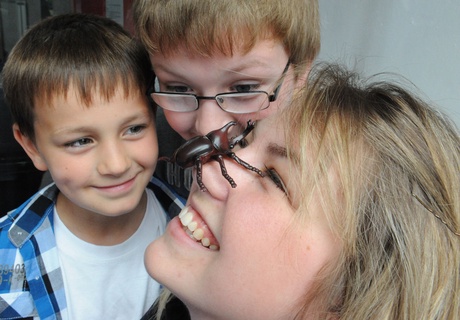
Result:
x=76 y=86
x=203 y=48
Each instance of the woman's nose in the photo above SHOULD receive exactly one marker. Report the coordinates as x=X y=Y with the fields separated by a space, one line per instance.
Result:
x=219 y=175
x=208 y=177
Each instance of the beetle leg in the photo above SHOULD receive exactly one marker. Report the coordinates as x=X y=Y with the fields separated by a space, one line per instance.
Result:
x=245 y=164
x=223 y=169
x=198 y=165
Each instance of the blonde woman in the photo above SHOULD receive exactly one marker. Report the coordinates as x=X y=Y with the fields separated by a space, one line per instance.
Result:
x=358 y=216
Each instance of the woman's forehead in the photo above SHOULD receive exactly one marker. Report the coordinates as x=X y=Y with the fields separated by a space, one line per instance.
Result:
x=269 y=132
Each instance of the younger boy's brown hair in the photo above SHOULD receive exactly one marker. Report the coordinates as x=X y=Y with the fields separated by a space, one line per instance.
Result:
x=92 y=54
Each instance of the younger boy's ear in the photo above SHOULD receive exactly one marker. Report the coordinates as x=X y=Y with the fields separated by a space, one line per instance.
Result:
x=30 y=148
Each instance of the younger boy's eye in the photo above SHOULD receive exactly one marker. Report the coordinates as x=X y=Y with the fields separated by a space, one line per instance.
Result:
x=136 y=129
x=78 y=143
x=275 y=177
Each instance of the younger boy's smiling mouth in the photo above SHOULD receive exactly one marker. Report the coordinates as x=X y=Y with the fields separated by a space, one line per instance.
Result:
x=197 y=228
x=119 y=187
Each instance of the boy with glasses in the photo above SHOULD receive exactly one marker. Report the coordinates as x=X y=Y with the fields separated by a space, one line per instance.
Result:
x=222 y=61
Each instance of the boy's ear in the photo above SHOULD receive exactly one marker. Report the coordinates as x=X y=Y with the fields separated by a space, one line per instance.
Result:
x=302 y=77
x=30 y=148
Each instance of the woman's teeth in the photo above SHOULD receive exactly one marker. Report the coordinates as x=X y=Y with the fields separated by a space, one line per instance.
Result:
x=192 y=229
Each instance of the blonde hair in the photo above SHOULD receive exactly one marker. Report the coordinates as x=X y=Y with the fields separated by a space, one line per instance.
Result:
x=205 y=27
x=397 y=162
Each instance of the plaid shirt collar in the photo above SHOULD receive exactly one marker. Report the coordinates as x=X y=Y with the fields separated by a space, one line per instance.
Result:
x=30 y=216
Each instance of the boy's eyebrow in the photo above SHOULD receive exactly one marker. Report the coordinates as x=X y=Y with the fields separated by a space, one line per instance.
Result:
x=251 y=63
x=83 y=129
x=248 y=66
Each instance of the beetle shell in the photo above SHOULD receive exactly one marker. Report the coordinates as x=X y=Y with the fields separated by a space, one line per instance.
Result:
x=186 y=155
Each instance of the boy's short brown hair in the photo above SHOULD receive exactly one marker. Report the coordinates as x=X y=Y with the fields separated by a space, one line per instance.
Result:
x=209 y=26
x=92 y=54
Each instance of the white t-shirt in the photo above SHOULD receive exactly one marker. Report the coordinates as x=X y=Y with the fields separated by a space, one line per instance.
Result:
x=109 y=282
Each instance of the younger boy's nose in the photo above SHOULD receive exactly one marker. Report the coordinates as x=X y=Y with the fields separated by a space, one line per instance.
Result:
x=113 y=160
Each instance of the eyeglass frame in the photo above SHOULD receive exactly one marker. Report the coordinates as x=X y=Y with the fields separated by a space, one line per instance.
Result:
x=271 y=97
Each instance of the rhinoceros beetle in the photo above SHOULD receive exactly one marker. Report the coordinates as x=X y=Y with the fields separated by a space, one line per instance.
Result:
x=215 y=145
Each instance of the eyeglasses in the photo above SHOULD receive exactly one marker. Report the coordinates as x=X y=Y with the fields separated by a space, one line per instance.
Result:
x=234 y=102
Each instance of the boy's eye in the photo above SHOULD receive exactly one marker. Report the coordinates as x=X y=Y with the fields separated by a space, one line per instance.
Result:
x=177 y=89
x=78 y=143
x=160 y=86
x=136 y=129
x=275 y=177
x=245 y=87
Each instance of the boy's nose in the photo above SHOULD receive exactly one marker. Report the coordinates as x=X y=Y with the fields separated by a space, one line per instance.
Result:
x=113 y=160
x=210 y=117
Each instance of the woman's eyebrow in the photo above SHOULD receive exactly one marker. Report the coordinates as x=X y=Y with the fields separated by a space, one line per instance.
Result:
x=276 y=150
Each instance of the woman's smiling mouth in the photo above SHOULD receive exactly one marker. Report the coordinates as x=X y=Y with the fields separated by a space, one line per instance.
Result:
x=197 y=229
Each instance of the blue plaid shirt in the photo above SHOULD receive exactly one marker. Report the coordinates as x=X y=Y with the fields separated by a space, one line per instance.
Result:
x=31 y=283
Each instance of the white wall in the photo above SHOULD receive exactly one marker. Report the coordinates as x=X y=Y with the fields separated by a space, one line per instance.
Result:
x=419 y=39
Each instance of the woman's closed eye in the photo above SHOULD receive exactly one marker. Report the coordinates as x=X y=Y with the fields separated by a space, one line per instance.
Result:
x=273 y=175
